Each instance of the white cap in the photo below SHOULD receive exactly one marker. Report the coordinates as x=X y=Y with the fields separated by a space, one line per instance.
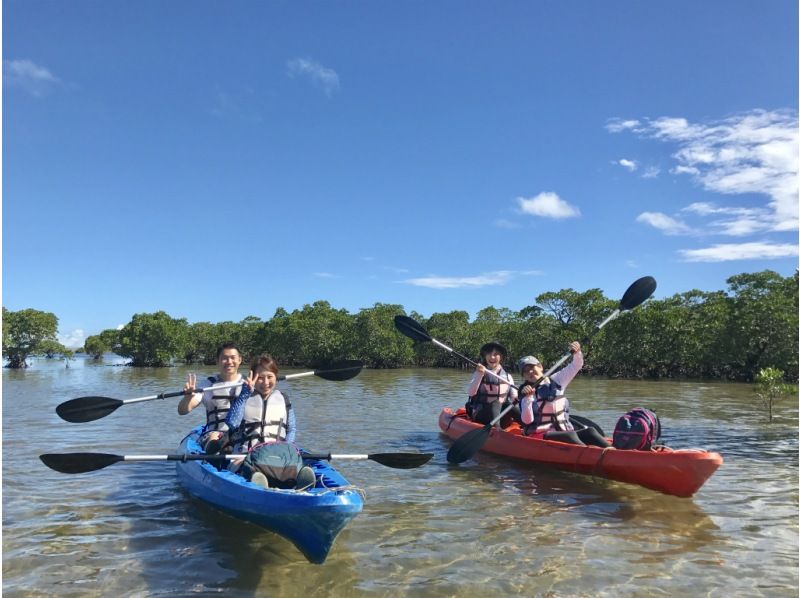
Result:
x=529 y=360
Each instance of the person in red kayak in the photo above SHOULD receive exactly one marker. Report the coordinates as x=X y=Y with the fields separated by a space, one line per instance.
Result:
x=216 y=394
x=544 y=408
x=491 y=386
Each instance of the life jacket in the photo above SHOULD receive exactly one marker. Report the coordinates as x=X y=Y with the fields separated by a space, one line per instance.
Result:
x=489 y=389
x=217 y=404
x=264 y=420
x=550 y=410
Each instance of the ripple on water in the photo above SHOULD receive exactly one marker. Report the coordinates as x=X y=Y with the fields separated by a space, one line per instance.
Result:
x=488 y=526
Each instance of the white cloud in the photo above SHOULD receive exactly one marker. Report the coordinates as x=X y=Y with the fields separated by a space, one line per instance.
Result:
x=742 y=251
x=755 y=152
x=665 y=223
x=325 y=275
x=321 y=76
x=631 y=165
x=547 y=205
x=73 y=339
x=651 y=172
x=25 y=74
x=617 y=125
x=487 y=279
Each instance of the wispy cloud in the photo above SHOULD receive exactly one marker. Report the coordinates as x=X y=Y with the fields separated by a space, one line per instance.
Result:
x=662 y=222
x=505 y=223
x=617 y=125
x=547 y=205
x=487 y=279
x=651 y=172
x=73 y=339
x=630 y=165
x=325 y=275
x=755 y=152
x=325 y=78
x=740 y=251
x=29 y=76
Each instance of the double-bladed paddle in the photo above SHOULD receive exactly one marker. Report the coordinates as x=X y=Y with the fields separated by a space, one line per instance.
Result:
x=471 y=442
x=87 y=409
x=85 y=462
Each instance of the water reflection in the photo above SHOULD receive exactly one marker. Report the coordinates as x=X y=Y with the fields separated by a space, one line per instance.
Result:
x=490 y=525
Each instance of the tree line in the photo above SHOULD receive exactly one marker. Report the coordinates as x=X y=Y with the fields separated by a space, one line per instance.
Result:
x=729 y=335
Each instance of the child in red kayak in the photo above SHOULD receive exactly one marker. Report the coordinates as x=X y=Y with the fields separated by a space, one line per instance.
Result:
x=545 y=408
x=491 y=386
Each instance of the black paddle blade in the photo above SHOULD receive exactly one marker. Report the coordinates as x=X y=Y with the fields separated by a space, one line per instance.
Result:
x=401 y=460
x=79 y=462
x=341 y=370
x=411 y=328
x=637 y=293
x=87 y=409
x=469 y=444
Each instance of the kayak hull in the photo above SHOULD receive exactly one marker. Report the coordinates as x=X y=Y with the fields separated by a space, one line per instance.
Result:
x=675 y=472
x=311 y=519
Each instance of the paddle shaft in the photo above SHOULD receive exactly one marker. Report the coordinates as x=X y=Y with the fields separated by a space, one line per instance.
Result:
x=555 y=366
x=180 y=393
x=86 y=462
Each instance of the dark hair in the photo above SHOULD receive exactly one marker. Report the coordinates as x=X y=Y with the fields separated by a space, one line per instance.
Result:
x=227 y=345
x=266 y=362
x=493 y=346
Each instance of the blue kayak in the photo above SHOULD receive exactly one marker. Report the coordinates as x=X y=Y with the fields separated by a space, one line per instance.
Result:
x=310 y=519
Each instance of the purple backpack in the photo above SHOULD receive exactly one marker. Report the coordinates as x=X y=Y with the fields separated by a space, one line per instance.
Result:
x=637 y=430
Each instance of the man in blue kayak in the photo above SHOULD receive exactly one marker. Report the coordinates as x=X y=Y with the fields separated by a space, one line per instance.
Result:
x=215 y=394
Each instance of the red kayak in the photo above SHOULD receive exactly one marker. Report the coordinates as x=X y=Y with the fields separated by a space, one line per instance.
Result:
x=671 y=471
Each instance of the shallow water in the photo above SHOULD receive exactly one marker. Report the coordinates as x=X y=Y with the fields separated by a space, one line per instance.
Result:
x=488 y=526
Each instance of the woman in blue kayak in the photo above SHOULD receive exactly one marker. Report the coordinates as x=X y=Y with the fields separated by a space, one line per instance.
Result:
x=490 y=387
x=262 y=423
x=545 y=408
x=215 y=394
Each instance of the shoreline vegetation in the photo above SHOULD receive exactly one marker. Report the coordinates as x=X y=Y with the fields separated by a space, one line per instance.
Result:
x=724 y=335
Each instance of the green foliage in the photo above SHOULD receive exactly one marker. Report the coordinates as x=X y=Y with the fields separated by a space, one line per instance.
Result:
x=50 y=348
x=733 y=334
x=153 y=339
x=770 y=388
x=29 y=332
x=375 y=340
x=98 y=344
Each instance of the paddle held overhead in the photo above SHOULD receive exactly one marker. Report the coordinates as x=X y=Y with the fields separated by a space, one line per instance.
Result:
x=467 y=445
x=471 y=442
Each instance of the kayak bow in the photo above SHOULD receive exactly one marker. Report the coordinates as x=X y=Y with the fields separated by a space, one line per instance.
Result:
x=310 y=519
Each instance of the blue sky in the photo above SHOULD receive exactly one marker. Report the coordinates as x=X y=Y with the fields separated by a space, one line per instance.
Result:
x=219 y=160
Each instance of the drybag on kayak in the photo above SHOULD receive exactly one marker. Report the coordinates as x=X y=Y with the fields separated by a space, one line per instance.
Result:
x=279 y=461
x=637 y=430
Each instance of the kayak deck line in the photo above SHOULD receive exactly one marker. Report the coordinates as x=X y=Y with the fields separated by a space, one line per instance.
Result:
x=678 y=472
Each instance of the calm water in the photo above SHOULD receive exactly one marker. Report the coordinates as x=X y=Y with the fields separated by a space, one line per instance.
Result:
x=487 y=526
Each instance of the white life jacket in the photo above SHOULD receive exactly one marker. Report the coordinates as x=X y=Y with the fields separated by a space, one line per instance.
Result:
x=550 y=410
x=218 y=403
x=491 y=389
x=263 y=420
